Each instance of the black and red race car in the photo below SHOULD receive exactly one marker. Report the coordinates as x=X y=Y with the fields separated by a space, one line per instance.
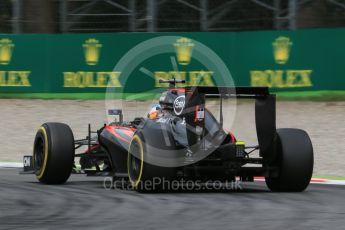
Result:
x=182 y=140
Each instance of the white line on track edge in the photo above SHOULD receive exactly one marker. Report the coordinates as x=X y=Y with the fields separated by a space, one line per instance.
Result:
x=313 y=181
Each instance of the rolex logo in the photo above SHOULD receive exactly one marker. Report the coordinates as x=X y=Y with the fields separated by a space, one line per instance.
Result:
x=184 y=47
x=281 y=49
x=92 y=49
x=6 y=48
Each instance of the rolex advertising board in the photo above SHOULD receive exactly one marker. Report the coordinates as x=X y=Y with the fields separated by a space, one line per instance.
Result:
x=23 y=64
x=291 y=61
x=134 y=62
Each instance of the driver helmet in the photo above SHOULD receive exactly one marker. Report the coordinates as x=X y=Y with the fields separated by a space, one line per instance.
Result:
x=155 y=109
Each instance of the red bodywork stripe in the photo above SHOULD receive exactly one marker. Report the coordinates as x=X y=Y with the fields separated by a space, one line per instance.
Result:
x=122 y=127
x=233 y=139
x=128 y=133
x=196 y=113
x=180 y=90
x=112 y=130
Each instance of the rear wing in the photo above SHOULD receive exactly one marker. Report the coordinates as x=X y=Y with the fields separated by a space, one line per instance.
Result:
x=239 y=92
x=265 y=111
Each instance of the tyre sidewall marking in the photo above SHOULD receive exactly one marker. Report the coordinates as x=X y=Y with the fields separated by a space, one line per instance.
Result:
x=43 y=168
x=133 y=182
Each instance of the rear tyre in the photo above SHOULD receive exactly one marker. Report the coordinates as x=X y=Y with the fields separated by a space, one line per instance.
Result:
x=145 y=177
x=295 y=161
x=53 y=153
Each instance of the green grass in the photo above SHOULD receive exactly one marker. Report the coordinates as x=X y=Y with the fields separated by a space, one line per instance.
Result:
x=323 y=95
x=330 y=177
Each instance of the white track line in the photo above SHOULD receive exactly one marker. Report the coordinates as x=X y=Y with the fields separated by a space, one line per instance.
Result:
x=313 y=180
x=316 y=181
x=11 y=165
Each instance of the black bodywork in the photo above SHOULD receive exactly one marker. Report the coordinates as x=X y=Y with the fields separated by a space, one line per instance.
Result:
x=186 y=137
x=167 y=138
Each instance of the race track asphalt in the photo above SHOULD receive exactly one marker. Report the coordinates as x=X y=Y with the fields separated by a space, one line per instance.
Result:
x=83 y=203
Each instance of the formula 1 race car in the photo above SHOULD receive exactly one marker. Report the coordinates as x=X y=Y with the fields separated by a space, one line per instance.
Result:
x=181 y=139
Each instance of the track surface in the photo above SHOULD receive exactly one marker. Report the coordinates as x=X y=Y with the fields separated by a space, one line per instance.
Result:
x=83 y=203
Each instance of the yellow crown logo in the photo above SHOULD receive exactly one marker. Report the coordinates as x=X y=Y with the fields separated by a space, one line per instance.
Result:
x=184 y=48
x=281 y=49
x=92 y=49
x=6 y=48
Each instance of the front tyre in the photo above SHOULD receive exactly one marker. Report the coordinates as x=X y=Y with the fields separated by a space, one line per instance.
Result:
x=53 y=153
x=294 y=162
